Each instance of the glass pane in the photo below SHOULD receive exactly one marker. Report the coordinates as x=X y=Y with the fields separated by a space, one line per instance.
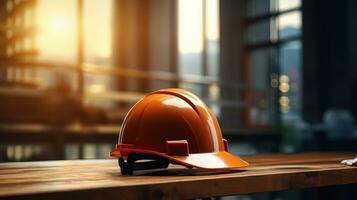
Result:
x=98 y=24
x=190 y=36
x=212 y=37
x=190 y=40
x=212 y=50
x=258 y=7
x=260 y=87
x=57 y=30
x=289 y=4
x=289 y=24
x=260 y=32
x=260 y=61
x=290 y=80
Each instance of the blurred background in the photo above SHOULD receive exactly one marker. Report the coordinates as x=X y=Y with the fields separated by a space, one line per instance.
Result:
x=280 y=75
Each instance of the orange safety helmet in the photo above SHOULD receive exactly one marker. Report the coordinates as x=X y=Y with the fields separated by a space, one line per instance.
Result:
x=172 y=126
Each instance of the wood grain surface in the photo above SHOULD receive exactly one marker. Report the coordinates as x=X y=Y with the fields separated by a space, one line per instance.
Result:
x=100 y=179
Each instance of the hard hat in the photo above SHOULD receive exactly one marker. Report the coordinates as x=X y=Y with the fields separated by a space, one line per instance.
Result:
x=172 y=126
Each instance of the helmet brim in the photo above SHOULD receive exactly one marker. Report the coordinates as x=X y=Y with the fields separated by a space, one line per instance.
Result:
x=221 y=160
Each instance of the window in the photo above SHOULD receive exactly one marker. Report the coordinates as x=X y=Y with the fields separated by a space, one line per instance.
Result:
x=17 y=43
x=58 y=40
x=198 y=45
x=39 y=74
x=273 y=50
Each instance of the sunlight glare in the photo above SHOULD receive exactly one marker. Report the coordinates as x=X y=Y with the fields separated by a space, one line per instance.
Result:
x=57 y=25
x=57 y=30
x=190 y=26
x=60 y=24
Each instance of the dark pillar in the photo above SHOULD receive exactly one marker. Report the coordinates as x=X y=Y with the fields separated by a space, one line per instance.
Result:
x=231 y=51
x=329 y=54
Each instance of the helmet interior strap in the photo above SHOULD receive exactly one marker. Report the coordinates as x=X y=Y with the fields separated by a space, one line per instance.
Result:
x=151 y=162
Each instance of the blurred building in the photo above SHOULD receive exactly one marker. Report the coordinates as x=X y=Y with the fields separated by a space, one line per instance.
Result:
x=280 y=75
x=274 y=72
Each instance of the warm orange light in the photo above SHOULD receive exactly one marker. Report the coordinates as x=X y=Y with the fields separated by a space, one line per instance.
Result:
x=190 y=24
x=60 y=24
x=56 y=21
x=57 y=29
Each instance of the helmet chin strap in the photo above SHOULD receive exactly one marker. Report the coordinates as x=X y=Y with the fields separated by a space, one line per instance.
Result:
x=148 y=162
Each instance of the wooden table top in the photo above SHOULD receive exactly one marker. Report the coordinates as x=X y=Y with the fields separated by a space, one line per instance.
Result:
x=100 y=179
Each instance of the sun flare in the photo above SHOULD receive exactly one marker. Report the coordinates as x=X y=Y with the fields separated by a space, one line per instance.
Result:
x=60 y=24
x=57 y=29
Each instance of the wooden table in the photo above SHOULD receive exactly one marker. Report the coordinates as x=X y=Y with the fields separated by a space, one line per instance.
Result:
x=100 y=179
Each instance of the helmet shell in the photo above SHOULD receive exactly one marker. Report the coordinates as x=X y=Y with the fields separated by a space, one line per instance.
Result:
x=171 y=114
x=177 y=126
